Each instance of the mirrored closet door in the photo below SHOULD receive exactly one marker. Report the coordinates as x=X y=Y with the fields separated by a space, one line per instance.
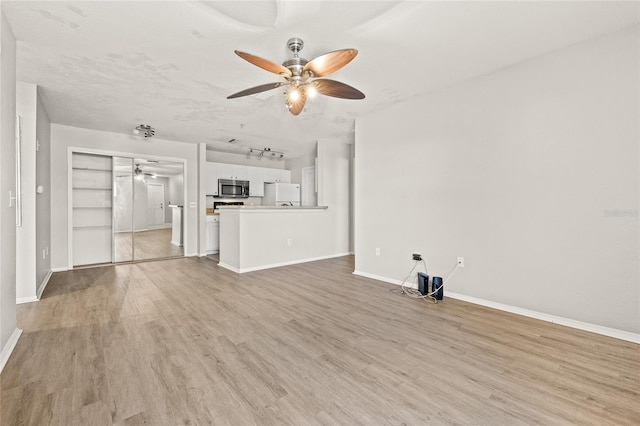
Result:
x=142 y=214
x=123 y=209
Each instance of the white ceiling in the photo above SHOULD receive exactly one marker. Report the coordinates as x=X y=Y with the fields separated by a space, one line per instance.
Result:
x=111 y=65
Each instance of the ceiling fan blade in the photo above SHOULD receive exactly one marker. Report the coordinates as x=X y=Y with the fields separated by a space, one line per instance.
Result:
x=329 y=62
x=264 y=64
x=336 y=89
x=256 y=89
x=296 y=107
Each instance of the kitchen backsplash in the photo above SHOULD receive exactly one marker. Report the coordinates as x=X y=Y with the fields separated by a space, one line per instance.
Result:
x=251 y=201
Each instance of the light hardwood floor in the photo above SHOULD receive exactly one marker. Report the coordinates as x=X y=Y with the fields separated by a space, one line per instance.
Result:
x=183 y=341
x=149 y=244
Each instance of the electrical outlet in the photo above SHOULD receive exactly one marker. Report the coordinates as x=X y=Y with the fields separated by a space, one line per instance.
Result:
x=377 y=251
x=289 y=242
x=460 y=262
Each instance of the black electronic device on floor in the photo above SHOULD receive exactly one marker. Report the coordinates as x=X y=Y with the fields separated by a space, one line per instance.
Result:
x=436 y=285
x=423 y=283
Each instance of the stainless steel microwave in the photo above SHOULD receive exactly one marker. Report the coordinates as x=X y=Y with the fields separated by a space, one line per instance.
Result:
x=228 y=188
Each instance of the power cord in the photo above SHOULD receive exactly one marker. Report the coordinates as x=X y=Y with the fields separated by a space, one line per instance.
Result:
x=415 y=294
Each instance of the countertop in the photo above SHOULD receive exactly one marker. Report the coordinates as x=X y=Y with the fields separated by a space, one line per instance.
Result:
x=272 y=207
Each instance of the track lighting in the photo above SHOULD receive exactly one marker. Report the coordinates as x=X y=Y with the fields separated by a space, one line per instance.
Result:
x=265 y=152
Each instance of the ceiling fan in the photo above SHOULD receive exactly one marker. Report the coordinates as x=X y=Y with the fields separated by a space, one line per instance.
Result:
x=301 y=76
x=139 y=174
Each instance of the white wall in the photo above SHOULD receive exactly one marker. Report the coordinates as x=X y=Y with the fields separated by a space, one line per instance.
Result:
x=334 y=190
x=33 y=237
x=8 y=333
x=175 y=191
x=521 y=172
x=296 y=165
x=43 y=200
x=26 y=108
x=63 y=137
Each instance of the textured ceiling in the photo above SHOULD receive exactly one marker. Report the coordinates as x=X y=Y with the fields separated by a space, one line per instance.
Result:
x=111 y=65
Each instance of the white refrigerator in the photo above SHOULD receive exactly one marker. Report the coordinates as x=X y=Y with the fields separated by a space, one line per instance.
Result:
x=281 y=194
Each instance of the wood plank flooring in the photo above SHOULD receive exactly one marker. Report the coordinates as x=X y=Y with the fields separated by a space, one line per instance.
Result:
x=149 y=244
x=183 y=341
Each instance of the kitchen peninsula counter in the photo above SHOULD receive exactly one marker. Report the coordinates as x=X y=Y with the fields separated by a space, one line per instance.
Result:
x=262 y=237
x=273 y=207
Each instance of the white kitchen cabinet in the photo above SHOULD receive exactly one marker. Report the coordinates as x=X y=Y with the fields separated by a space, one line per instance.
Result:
x=284 y=176
x=212 y=239
x=241 y=172
x=232 y=171
x=225 y=171
x=269 y=175
x=277 y=175
x=256 y=181
x=211 y=178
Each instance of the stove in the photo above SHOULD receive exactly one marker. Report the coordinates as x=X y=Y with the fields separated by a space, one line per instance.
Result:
x=216 y=204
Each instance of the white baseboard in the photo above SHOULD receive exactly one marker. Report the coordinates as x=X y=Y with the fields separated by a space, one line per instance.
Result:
x=580 y=325
x=8 y=348
x=162 y=226
x=39 y=291
x=568 y=322
x=229 y=267
x=63 y=269
x=277 y=265
x=43 y=285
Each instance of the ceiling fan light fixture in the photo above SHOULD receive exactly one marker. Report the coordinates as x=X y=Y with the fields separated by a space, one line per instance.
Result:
x=301 y=76
x=146 y=130
x=294 y=95
x=312 y=92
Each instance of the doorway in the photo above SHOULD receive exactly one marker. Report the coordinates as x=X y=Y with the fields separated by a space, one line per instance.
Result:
x=309 y=188
x=155 y=205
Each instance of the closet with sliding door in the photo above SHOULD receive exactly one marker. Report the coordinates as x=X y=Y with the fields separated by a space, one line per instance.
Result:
x=118 y=208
